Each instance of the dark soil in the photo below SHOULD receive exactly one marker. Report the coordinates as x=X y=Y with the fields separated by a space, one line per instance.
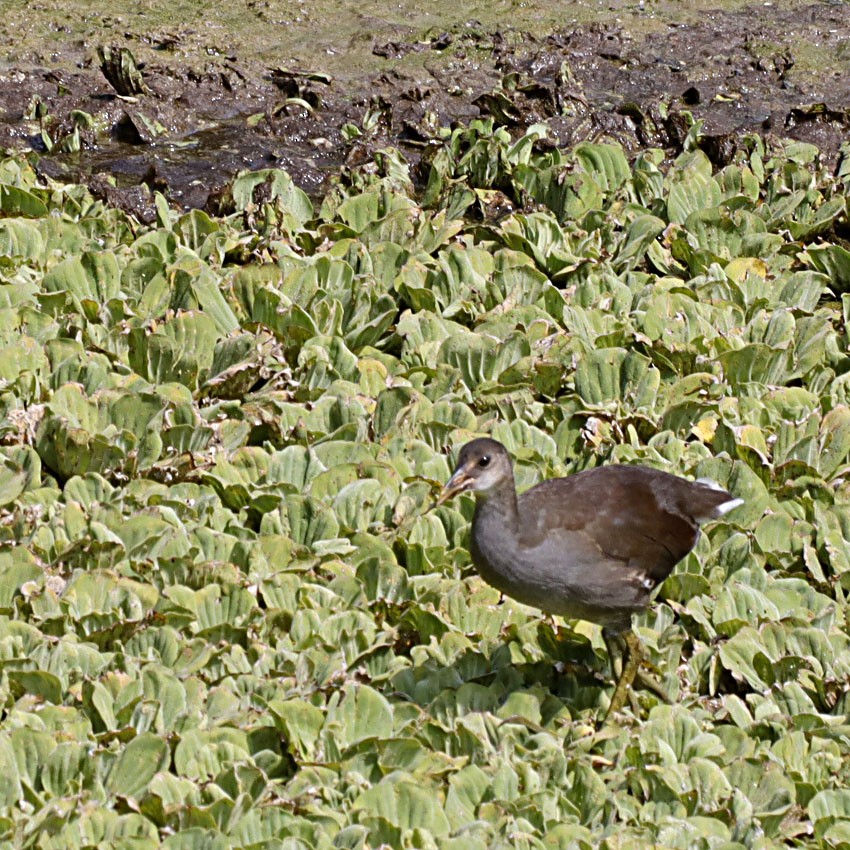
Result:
x=185 y=126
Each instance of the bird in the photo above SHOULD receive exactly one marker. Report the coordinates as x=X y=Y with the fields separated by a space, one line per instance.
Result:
x=591 y=546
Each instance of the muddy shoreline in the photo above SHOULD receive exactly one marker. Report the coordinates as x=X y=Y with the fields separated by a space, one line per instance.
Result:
x=201 y=113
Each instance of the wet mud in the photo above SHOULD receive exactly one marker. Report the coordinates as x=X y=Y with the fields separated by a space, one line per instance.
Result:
x=130 y=111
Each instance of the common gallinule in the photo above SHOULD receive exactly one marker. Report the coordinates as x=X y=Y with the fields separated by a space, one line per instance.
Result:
x=592 y=546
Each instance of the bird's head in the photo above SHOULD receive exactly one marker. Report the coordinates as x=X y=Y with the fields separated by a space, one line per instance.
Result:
x=482 y=466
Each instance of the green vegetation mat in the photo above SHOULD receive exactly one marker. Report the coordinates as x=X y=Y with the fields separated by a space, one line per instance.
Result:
x=226 y=619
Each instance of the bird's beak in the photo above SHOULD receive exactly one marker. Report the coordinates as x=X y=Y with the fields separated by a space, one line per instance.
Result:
x=459 y=482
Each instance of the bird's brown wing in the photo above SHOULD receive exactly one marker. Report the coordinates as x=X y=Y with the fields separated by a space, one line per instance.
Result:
x=633 y=515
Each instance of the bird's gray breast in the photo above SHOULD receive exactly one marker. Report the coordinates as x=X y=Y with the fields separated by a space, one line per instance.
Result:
x=558 y=570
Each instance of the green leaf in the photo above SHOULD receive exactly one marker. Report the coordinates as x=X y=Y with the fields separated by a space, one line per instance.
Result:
x=834 y=261
x=38 y=683
x=17 y=201
x=612 y=374
x=467 y=789
x=20 y=238
x=136 y=766
x=404 y=804
x=17 y=567
x=829 y=805
x=607 y=164
x=93 y=276
x=692 y=188
x=363 y=714
x=301 y=722
x=272 y=185
x=834 y=442
x=481 y=357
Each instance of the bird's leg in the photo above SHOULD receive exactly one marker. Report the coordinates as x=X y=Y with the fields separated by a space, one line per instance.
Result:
x=647 y=681
x=616 y=647
x=626 y=653
x=631 y=658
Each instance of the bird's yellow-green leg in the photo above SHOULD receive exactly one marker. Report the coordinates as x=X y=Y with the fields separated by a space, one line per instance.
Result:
x=627 y=648
x=627 y=653
x=616 y=651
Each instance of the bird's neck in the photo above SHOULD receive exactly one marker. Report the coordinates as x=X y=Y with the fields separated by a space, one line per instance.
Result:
x=499 y=505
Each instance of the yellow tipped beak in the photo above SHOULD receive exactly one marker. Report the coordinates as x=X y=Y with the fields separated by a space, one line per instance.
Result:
x=456 y=484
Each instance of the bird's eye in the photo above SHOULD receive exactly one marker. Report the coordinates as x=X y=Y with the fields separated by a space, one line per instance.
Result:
x=484 y=461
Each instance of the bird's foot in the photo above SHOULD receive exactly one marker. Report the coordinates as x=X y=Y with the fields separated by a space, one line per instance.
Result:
x=650 y=683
